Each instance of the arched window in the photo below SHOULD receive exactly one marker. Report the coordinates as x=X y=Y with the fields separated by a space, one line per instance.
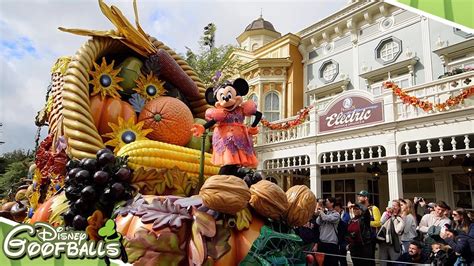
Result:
x=254 y=98
x=272 y=107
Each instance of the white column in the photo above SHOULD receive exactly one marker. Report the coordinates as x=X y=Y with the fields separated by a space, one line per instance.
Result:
x=315 y=181
x=284 y=98
x=260 y=97
x=390 y=108
x=426 y=43
x=355 y=66
x=313 y=122
x=395 y=185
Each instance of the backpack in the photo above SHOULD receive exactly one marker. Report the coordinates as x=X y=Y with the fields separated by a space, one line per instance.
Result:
x=341 y=231
x=354 y=232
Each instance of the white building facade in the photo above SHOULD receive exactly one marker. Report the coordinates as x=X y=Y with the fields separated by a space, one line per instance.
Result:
x=359 y=135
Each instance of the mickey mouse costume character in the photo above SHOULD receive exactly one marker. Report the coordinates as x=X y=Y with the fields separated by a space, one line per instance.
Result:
x=231 y=141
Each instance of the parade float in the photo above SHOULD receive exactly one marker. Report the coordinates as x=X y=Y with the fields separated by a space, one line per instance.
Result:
x=120 y=146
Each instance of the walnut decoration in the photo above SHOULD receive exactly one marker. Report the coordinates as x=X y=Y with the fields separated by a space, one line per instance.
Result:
x=225 y=193
x=268 y=199
x=302 y=205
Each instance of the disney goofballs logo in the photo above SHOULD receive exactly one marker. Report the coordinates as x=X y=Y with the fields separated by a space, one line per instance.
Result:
x=55 y=241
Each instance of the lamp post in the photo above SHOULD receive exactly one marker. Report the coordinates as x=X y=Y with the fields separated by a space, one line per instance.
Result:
x=209 y=35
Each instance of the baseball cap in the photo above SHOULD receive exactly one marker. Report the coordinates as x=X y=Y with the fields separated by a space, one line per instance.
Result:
x=364 y=193
x=431 y=205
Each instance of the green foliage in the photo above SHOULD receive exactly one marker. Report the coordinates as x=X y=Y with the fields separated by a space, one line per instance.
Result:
x=14 y=166
x=211 y=59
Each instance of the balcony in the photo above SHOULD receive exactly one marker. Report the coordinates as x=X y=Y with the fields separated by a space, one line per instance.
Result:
x=267 y=136
x=395 y=110
x=437 y=91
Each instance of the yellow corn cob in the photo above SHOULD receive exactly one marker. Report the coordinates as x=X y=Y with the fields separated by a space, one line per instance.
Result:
x=156 y=162
x=159 y=145
x=167 y=154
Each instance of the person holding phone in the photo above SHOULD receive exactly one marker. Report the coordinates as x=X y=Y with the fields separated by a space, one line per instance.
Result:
x=393 y=226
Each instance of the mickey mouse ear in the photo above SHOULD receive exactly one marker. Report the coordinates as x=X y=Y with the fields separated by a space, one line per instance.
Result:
x=209 y=95
x=241 y=86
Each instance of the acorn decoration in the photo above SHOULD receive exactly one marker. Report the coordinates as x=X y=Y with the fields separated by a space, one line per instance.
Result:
x=302 y=205
x=268 y=199
x=225 y=193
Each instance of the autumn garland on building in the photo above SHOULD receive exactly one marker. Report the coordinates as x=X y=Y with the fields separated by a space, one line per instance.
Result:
x=428 y=106
x=301 y=117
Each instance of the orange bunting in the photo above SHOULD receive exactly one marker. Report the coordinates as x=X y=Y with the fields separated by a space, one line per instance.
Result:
x=426 y=105
x=288 y=124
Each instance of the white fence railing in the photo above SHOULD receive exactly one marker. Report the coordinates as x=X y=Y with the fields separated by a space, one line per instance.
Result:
x=436 y=92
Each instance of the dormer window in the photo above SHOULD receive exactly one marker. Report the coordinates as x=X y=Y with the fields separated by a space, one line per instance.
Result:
x=328 y=71
x=388 y=50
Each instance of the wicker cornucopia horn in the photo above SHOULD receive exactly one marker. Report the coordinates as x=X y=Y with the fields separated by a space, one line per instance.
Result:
x=82 y=135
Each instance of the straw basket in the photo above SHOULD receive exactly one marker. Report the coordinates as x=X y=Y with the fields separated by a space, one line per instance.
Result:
x=83 y=137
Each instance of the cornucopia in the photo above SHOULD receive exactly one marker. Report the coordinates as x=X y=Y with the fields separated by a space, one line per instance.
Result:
x=120 y=147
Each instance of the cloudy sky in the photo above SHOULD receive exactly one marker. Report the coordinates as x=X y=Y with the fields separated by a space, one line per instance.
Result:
x=30 y=41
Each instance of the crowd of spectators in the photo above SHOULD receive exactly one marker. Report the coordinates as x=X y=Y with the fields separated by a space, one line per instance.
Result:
x=441 y=236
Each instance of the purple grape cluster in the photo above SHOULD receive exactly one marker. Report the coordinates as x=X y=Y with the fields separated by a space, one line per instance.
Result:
x=95 y=184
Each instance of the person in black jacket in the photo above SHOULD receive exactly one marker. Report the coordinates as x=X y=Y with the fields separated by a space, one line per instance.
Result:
x=414 y=255
x=309 y=233
x=461 y=243
x=359 y=236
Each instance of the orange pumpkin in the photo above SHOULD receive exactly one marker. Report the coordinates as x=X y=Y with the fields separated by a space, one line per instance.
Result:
x=241 y=242
x=170 y=119
x=43 y=211
x=108 y=110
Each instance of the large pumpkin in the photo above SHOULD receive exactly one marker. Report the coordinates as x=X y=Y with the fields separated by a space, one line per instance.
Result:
x=170 y=119
x=108 y=110
x=43 y=211
x=240 y=241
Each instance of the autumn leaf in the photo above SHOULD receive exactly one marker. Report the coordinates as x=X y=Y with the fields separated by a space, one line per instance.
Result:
x=218 y=245
x=145 y=242
x=244 y=218
x=59 y=206
x=150 y=180
x=182 y=183
x=131 y=206
x=158 y=259
x=197 y=247
x=162 y=214
x=204 y=225
x=195 y=201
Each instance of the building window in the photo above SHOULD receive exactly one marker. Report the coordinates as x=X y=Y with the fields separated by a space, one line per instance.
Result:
x=374 y=196
x=403 y=81
x=328 y=71
x=272 y=107
x=463 y=190
x=254 y=98
x=388 y=50
x=343 y=189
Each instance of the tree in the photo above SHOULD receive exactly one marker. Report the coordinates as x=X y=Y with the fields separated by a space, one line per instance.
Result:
x=14 y=166
x=212 y=60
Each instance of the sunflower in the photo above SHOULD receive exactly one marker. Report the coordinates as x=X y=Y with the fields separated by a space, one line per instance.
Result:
x=149 y=87
x=105 y=80
x=125 y=132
